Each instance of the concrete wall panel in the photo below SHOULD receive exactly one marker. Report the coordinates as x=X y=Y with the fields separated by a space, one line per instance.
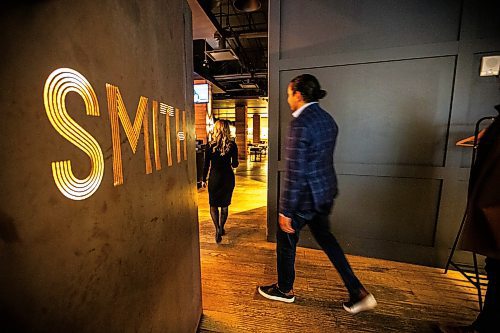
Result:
x=403 y=84
x=126 y=259
x=348 y=26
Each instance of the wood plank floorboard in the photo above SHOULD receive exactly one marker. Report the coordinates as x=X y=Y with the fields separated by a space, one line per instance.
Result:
x=411 y=298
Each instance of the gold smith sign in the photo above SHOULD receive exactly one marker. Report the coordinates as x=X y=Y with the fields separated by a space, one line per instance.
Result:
x=65 y=80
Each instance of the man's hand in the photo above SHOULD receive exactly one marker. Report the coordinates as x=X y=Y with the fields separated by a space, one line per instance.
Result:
x=286 y=224
x=203 y=184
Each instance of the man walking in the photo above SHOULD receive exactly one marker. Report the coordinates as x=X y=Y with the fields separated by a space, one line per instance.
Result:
x=308 y=195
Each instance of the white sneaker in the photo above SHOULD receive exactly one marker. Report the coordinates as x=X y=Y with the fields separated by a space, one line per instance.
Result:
x=367 y=303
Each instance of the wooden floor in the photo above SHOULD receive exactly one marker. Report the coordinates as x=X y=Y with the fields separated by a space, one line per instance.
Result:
x=411 y=298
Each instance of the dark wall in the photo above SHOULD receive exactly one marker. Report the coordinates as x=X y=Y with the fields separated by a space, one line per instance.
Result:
x=403 y=84
x=125 y=259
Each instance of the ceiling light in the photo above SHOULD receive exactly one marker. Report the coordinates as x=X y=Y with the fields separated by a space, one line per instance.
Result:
x=248 y=85
x=222 y=55
x=246 y=5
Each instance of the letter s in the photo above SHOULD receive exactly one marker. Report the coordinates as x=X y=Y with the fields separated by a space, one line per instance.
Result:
x=59 y=83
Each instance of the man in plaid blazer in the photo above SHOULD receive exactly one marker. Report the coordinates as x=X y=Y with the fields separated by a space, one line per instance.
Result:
x=308 y=194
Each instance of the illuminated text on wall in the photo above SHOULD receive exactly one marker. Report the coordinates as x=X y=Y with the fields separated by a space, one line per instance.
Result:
x=65 y=80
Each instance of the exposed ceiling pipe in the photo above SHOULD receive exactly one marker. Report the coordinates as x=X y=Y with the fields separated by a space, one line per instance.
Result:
x=257 y=34
x=225 y=77
x=221 y=40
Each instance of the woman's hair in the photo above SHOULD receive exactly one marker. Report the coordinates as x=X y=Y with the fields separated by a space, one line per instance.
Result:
x=309 y=87
x=222 y=136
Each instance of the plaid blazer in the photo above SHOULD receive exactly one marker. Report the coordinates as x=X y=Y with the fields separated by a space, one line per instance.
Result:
x=310 y=180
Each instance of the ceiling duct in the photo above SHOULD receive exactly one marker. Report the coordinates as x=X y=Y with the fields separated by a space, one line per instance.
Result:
x=222 y=53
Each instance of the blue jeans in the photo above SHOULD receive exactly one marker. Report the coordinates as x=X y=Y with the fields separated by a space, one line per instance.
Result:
x=320 y=228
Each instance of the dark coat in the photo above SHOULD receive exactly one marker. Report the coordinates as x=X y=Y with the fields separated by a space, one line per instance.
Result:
x=310 y=180
x=221 y=181
x=481 y=232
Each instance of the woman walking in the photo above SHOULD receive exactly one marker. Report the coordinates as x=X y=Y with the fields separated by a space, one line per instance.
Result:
x=220 y=157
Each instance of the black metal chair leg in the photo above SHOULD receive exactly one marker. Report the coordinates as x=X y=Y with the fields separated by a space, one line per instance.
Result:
x=478 y=282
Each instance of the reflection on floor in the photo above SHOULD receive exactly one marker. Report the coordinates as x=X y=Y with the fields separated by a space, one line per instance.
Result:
x=253 y=169
x=411 y=298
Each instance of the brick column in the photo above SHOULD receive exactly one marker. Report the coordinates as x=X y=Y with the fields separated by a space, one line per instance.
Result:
x=200 y=116
x=241 y=131
x=256 y=129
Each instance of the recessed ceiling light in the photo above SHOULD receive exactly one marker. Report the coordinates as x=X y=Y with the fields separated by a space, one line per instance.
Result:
x=249 y=85
x=222 y=55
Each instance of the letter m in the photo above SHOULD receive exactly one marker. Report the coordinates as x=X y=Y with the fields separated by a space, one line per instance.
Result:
x=118 y=114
